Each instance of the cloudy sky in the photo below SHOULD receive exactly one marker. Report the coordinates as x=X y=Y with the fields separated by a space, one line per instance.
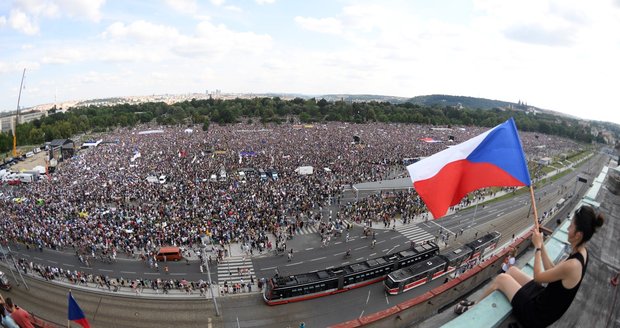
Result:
x=555 y=54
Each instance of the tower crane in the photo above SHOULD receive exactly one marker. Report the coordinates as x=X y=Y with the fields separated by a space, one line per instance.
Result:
x=21 y=86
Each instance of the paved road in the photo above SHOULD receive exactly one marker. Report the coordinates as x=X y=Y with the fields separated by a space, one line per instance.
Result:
x=105 y=310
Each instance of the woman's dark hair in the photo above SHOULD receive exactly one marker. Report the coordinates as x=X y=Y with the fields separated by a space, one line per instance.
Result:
x=587 y=221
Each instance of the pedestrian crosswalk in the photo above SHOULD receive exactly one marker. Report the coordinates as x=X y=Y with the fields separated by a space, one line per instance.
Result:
x=415 y=233
x=235 y=268
x=307 y=230
x=310 y=228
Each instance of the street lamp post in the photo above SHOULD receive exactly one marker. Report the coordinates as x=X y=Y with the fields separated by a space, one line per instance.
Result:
x=217 y=310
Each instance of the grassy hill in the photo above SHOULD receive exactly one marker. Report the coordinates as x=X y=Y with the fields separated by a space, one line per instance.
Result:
x=469 y=102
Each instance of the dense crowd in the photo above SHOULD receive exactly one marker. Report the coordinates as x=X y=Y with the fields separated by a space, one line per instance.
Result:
x=101 y=201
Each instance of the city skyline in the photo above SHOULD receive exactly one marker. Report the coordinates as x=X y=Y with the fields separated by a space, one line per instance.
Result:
x=551 y=54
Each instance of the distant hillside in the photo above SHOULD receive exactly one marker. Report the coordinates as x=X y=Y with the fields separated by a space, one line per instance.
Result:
x=335 y=97
x=363 y=98
x=469 y=102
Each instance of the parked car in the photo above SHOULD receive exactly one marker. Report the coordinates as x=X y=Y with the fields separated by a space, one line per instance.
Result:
x=5 y=284
x=262 y=174
x=273 y=174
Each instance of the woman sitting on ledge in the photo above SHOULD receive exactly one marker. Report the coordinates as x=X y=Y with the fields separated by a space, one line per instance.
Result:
x=535 y=305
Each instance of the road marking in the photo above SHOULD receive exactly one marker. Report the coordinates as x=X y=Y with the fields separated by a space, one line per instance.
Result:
x=37 y=258
x=373 y=254
x=52 y=261
x=385 y=250
x=69 y=265
x=104 y=270
x=390 y=251
x=443 y=227
x=386 y=298
x=329 y=267
x=178 y=274
x=132 y=272
x=269 y=268
x=338 y=242
x=345 y=263
x=368 y=298
x=309 y=249
x=151 y=273
x=395 y=237
x=357 y=249
x=318 y=258
x=296 y=263
x=87 y=268
x=361 y=314
x=379 y=242
x=359 y=258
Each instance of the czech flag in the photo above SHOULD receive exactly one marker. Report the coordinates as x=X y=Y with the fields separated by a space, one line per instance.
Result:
x=76 y=314
x=492 y=159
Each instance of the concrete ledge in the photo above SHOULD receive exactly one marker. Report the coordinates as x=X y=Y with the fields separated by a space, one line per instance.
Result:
x=490 y=312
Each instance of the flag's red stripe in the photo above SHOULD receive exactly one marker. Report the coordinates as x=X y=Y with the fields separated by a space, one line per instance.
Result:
x=457 y=179
x=82 y=322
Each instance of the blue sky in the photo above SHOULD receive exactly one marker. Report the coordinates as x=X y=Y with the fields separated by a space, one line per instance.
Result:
x=555 y=54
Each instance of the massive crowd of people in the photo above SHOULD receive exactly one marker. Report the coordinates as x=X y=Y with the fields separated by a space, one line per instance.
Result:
x=101 y=201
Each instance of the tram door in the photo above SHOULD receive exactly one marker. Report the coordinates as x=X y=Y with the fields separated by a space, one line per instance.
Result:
x=341 y=282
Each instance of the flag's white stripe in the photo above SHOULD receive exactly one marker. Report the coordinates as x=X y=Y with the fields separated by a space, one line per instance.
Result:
x=430 y=166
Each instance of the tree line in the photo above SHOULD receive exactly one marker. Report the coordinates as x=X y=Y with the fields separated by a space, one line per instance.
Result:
x=58 y=125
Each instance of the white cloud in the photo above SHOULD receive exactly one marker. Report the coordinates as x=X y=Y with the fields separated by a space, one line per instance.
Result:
x=82 y=9
x=218 y=2
x=2 y=21
x=183 y=6
x=122 y=53
x=98 y=77
x=25 y=14
x=17 y=66
x=19 y=21
x=233 y=8
x=327 y=25
x=141 y=31
x=265 y=2
x=38 y=8
x=63 y=56
x=217 y=40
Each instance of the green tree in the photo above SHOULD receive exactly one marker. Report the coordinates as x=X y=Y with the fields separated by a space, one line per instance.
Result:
x=36 y=136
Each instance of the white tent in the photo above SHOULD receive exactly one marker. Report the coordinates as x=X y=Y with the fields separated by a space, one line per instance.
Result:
x=39 y=168
x=305 y=170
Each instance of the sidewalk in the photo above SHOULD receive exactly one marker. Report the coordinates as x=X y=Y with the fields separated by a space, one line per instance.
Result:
x=146 y=292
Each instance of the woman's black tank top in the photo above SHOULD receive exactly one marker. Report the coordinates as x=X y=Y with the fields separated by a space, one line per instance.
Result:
x=555 y=299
